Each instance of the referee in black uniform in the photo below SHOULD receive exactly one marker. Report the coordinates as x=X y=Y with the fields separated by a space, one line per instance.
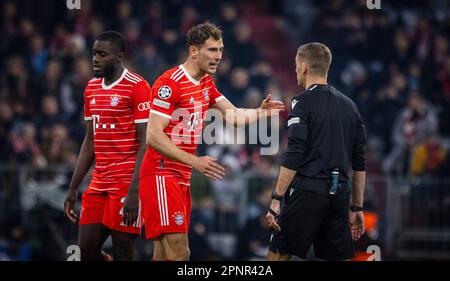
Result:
x=311 y=202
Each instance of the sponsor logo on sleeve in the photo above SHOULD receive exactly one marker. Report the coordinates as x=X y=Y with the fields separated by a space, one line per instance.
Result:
x=161 y=103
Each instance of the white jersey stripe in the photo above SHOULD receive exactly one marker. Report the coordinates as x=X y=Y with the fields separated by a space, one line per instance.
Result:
x=179 y=77
x=165 y=200
x=118 y=132
x=102 y=189
x=192 y=107
x=122 y=90
x=132 y=80
x=116 y=164
x=107 y=109
x=160 y=114
x=116 y=152
x=120 y=96
x=117 y=140
x=175 y=73
x=134 y=76
x=124 y=145
x=158 y=190
x=179 y=74
x=137 y=121
x=130 y=77
x=190 y=93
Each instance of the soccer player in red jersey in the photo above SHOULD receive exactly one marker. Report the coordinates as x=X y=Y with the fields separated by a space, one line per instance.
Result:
x=116 y=108
x=179 y=102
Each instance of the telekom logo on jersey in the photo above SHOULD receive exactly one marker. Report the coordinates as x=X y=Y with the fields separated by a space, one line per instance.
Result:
x=265 y=131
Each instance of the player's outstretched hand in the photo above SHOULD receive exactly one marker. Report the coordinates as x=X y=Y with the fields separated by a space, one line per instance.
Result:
x=69 y=206
x=272 y=106
x=208 y=166
x=130 y=210
x=357 y=226
x=270 y=217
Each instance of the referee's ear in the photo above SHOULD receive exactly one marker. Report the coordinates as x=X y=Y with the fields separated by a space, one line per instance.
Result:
x=304 y=68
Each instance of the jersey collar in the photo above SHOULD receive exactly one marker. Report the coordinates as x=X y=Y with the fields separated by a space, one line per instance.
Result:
x=115 y=82
x=313 y=86
x=196 y=82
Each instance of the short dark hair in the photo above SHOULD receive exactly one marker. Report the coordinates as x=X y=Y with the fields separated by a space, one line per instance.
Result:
x=198 y=34
x=115 y=38
x=317 y=56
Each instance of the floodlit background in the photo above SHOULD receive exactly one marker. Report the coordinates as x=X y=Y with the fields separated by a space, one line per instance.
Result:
x=393 y=62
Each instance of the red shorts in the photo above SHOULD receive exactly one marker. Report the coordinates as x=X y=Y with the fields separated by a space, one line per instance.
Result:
x=105 y=207
x=166 y=205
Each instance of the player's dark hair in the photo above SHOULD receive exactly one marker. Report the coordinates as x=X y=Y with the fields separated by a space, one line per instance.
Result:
x=114 y=38
x=198 y=34
x=317 y=56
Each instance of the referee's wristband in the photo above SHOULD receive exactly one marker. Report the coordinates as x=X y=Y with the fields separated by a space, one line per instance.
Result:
x=276 y=196
x=355 y=208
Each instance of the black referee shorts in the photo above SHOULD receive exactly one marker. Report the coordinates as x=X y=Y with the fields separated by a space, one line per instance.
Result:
x=311 y=216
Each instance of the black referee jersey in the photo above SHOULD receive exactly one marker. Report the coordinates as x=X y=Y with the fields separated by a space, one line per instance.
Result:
x=325 y=132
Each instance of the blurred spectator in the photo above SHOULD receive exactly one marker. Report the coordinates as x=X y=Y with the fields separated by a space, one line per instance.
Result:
x=428 y=156
x=248 y=52
x=239 y=83
x=39 y=54
x=226 y=194
x=254 y=238
x=414 y=123
x=25 y=148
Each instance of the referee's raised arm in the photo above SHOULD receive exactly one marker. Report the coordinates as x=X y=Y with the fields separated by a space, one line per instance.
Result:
x=311 y=200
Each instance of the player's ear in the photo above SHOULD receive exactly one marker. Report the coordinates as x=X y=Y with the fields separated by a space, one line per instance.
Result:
x=193 y=51
x=120 y=56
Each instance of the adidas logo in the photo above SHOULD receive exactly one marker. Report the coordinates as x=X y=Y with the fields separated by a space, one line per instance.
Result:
x=191 y=100
x=92 y=101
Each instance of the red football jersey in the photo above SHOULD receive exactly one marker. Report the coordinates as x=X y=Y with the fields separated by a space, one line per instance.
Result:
x=182 y=99
x=114 y=111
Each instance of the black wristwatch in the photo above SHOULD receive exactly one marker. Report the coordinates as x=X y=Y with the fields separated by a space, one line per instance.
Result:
x=355 y=208
x=276 y=196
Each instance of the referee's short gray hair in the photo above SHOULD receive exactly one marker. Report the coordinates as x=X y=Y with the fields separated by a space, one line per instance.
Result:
x=317 y=56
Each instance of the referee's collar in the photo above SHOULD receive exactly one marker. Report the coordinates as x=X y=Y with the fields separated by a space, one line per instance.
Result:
x=313 y=86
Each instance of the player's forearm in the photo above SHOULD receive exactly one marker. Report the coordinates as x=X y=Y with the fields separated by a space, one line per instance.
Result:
x=164 y=145
x=84 y=162
x=244 y=116
x=284 y=180
x=358 y=186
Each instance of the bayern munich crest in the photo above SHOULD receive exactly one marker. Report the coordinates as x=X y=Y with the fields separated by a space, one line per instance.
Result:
x=206 y=94
x=164 y=92
x=114 y=100
x=178 y=218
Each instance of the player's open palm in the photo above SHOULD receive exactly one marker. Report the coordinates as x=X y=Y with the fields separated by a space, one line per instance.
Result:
x=208 y=166
x=69 y=206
